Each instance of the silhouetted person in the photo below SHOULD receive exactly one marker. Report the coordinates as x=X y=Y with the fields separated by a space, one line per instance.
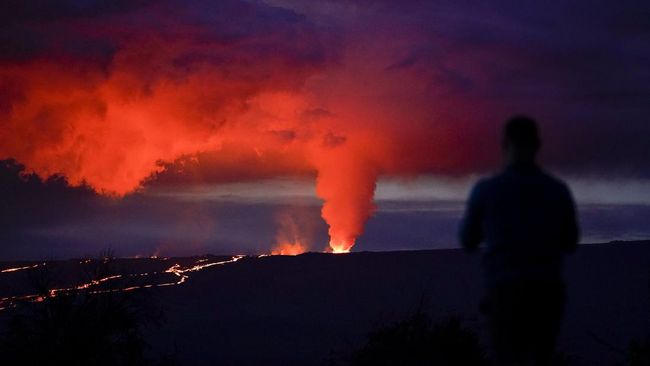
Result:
x=527 y=220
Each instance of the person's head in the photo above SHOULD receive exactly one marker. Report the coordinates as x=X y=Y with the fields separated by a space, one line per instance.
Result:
x=520 y=141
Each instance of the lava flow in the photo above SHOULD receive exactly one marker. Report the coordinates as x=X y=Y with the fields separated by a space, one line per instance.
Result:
x=91 y=287
x=16 y=269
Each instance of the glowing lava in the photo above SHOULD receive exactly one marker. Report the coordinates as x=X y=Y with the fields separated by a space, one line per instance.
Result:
x=289 y=249
x=16 y=269
x=90 y=287
x=338 y=246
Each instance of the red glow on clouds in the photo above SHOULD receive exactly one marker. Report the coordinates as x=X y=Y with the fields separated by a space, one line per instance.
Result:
x=262 y=105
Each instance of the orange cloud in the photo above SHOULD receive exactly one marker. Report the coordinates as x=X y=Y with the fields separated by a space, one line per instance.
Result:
x=281 y=99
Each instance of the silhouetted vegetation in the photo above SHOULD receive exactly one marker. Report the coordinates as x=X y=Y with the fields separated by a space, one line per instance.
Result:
x=80 y=328
x=639 y=352
x=418 y=341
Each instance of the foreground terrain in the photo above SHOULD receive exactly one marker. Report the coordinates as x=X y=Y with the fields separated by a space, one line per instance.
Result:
x=282 y=310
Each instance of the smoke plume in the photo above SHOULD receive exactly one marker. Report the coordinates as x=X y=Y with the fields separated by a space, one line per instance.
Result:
x=115 y=95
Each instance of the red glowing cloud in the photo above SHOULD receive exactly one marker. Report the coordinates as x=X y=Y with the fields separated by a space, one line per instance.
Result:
x=160 y=97
x=280 y=98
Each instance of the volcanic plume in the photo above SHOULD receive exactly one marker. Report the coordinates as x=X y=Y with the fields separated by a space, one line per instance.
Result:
x=117 y=95
x=149 y=96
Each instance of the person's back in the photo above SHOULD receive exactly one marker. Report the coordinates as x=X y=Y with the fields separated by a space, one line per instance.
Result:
x=526 y=218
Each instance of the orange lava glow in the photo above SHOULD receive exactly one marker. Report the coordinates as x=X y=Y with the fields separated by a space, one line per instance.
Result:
x=338 y=247
x=293 y=236
x=89 y=287
x=289 y=249
x=16 y=269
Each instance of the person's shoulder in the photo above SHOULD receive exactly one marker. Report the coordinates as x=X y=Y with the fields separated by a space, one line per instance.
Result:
x=484 y=184
x=494 y=179
x=551 y=178
x=555 y=182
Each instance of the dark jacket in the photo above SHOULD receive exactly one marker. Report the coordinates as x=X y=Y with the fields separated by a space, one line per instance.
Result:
x=527 y=220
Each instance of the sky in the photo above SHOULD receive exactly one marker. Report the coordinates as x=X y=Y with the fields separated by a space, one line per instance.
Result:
x=184 y=127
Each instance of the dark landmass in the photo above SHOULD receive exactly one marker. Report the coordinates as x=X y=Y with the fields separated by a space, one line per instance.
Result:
x=279 y=310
